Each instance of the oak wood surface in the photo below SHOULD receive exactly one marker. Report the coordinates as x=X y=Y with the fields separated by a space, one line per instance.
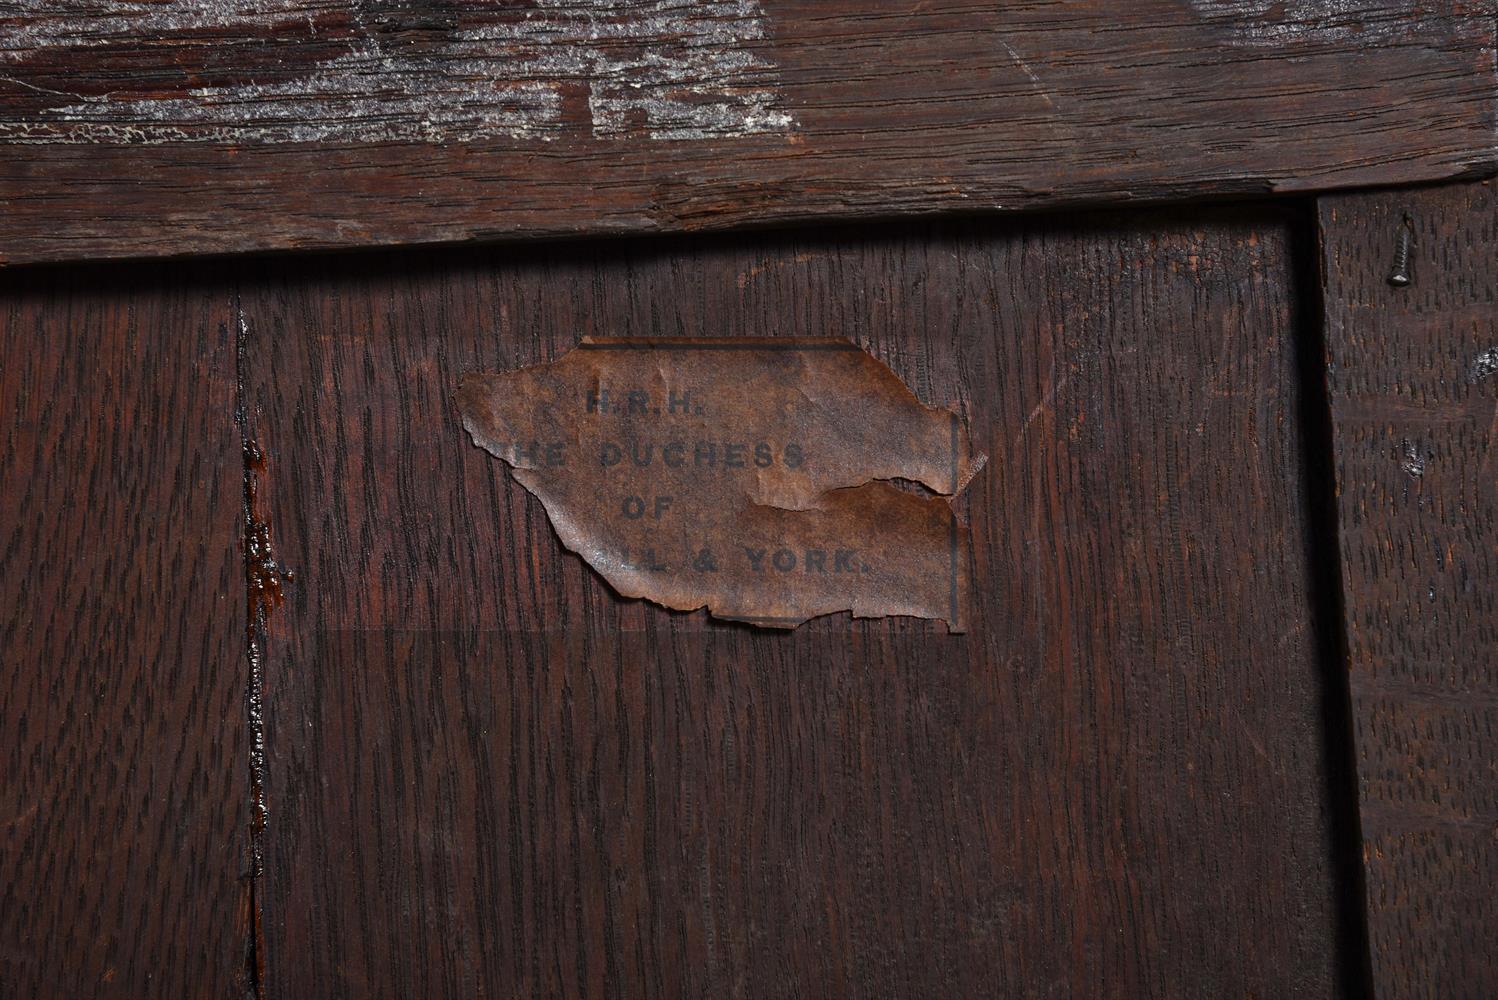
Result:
x=123 y=782
x=179 y=127
x=1413 y=375
x=490 y=776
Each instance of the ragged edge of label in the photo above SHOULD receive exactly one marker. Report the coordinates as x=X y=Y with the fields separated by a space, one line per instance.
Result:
x=768 y=480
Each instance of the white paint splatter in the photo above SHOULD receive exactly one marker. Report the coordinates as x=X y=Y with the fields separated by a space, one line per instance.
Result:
x=363 y=96
x=1414 y=462
x=667 y=69
x=1282 y=22
x=1485 y=365
x=28 y=25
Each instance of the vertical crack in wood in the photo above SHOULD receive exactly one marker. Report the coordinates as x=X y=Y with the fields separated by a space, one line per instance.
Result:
x=262 y=592
x=1354 y=957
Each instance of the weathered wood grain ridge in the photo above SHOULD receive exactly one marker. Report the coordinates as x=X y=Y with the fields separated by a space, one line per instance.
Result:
x=1414 y=389
x=182 y=126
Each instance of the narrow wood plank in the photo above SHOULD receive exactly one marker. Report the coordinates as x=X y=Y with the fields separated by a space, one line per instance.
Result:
x=178 y=127
x=1413 y=373
x=122 y=735
x=490 y=776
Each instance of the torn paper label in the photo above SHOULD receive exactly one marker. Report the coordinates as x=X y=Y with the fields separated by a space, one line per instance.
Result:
x=769 y=480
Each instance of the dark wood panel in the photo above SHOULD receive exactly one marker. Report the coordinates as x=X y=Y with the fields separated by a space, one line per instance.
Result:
x=181 y=127
x=490 y=776
x=1413 y=373
x=122 y=723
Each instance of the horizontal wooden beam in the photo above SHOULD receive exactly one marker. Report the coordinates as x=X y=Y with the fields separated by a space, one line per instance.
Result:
x=176 y=127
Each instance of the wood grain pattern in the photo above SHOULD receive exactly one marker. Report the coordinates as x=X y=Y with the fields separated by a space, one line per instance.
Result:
x=1414 y=389
x=122 y=676
x=180 y=126
x=490 y=776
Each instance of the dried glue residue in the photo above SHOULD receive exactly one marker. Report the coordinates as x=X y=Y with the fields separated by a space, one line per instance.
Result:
x=755 y=477
x=665 y=69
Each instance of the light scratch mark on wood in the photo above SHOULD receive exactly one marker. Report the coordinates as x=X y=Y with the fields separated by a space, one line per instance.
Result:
x=1040 y=88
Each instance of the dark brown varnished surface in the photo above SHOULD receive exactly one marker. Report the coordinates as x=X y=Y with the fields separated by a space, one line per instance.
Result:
x=1413 y=374
x=123 y=793
x=490 y=776
x=183 y=127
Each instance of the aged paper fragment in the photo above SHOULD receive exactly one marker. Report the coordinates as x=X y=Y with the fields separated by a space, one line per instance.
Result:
x=769 y=480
